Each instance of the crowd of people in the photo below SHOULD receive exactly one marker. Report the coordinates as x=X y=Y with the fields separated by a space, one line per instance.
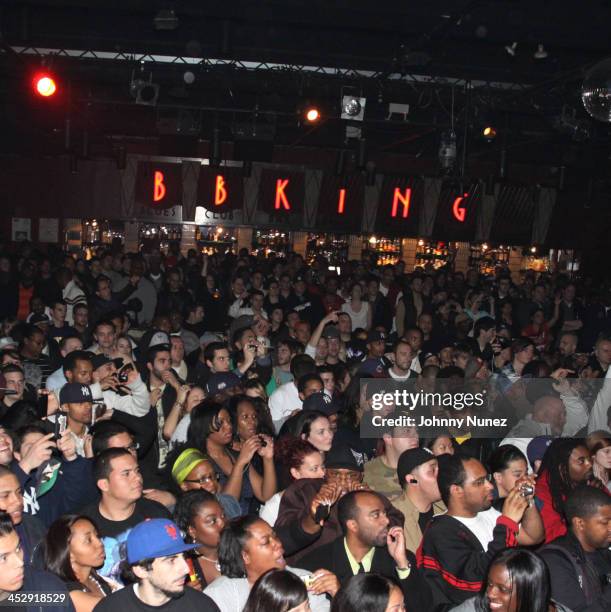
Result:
x=186 y=432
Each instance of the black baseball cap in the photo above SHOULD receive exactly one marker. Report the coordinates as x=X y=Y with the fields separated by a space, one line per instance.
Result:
x=75 y=393
x=376 y=336
x=320 y=402
x=99 y=360
x=342 y=457
x=411 y=459
x=330 y=332
x=221 y=381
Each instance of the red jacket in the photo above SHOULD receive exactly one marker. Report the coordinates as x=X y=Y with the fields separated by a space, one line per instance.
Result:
x=554 y=524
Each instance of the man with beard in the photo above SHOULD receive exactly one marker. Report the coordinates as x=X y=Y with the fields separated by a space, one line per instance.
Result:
x=403 y=356
x=457 y=546
x=368 y=544
x=157 y=567
x=567 y=463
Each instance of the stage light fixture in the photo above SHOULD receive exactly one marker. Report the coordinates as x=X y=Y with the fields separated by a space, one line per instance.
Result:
x=447 y=150
x=489 y=133
x=144 y=91
x=45 y=85
x=540 y=53
x=312 y=115
x=353 y=108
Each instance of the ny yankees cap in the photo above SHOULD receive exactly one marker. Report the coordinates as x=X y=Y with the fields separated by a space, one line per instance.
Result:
x=75 y=393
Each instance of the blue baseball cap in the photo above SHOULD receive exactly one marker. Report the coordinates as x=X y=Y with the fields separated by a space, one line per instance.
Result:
x=155 y=538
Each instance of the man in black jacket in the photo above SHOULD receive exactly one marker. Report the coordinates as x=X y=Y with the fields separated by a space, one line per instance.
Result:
x=580 y=562
x=368 y=544
x=457 y=547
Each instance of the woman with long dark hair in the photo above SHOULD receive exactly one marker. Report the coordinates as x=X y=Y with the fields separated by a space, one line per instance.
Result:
x=72 y=551
x=278 y=591
x=517 y=581
x=211 y=431
x=566 y=464
x=369 y=592
x=314 y=427
x=247 y=420
x=201 y=518
x=249 y=547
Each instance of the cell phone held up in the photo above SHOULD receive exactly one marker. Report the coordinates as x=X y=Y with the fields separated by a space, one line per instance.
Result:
x=322 y=513
x=61 y=424
x=124 y=372
x=43 y=405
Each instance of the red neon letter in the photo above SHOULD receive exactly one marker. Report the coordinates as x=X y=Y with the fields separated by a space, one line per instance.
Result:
x=341 y=202
x=459 y=212
x=159 y=189
x=220 y=193
x=404 y=199
x=281 y=185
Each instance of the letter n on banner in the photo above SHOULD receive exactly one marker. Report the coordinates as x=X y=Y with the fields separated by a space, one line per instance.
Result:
x=399 y=206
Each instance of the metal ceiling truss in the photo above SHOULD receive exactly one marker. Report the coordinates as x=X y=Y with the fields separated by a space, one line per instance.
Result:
x=214 y=63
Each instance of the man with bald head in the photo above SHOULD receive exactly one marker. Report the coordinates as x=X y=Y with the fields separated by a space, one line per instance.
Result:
x=548 y=418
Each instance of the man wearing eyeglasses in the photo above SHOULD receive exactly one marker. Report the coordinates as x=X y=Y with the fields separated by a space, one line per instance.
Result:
x=457 y=546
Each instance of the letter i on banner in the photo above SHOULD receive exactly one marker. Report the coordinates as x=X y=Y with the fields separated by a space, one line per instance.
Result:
x=405 y=201
x=341 y=202
x=159 y=189
x=220 y=191
x=281 y=199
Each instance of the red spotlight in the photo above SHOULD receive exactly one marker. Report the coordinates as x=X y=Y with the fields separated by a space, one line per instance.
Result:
x=312 y=115
x=45 y=85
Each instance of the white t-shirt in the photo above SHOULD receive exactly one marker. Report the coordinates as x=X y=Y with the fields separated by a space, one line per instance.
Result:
x=230 y=594
x=269 y=511
x=283 y=402
x=359 y=319
x=482 y=525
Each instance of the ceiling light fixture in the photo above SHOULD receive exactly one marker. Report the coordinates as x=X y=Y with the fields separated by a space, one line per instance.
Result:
x=540 y=53
x=511 y=49
x=489 y=133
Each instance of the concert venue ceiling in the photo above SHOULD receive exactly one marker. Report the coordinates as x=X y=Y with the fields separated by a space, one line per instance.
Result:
x=250 y=69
